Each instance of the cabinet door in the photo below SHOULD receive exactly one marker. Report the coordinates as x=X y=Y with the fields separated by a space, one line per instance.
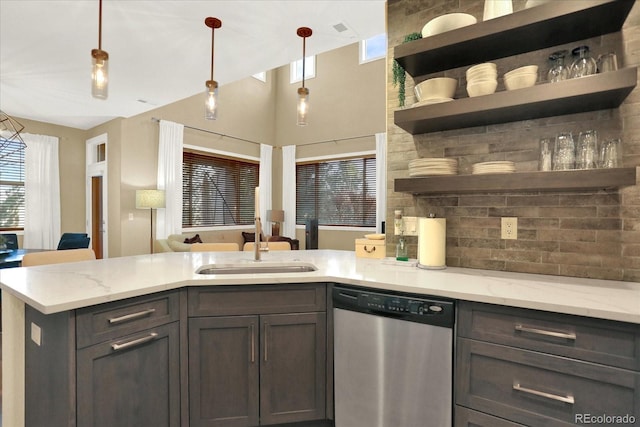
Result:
x=293 y=362
x=131 y=382
x=223 y=371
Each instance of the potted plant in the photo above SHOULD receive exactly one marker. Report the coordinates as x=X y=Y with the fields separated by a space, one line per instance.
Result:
x=399 y=74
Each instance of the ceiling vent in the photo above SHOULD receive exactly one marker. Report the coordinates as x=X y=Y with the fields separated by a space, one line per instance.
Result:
x=340 y=27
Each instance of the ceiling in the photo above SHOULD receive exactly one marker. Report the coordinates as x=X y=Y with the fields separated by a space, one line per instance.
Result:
x=159 y=51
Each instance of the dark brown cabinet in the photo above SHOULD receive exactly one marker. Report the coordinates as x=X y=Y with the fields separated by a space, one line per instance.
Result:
x=536 y=368
x=132 y=381
x=261 y=365
x=113 y=364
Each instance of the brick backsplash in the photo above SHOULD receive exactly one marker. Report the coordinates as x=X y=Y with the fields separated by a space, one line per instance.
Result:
x=582 y=234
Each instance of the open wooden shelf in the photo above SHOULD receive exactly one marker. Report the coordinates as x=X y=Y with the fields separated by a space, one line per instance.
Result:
x=550 y=24
x=592 y=179
x=596 y=92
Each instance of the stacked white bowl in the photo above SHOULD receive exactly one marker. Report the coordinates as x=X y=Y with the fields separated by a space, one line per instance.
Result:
x=482 y=79
x=521 y=77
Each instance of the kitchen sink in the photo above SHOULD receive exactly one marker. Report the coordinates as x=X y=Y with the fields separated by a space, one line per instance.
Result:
x=257 y=268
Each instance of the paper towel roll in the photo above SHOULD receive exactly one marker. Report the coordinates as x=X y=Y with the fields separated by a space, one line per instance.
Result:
x=432 y=236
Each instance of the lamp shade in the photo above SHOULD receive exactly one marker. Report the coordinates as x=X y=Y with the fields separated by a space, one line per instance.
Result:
x=275 y=215
x=149 y=199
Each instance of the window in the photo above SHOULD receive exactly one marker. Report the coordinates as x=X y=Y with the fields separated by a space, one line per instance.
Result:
x=262 y=76
x=337 y=192
x=217 y=191
x=309 y=69
x=373 y=48
x=11 y=185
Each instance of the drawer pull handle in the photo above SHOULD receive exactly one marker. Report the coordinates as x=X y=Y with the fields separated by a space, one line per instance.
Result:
x=565 y=335
x=135 y=342
x=369 y=251
x=253 y=343
x=266 y=344
x=126 y=317
x=564 y=399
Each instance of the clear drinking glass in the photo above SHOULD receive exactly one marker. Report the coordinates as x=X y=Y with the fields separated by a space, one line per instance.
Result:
x=587 y=150
x=584 y=65
x=559 y=71
x=607 y=62
x=564 y=152
x=610 y=154
x=546 y=149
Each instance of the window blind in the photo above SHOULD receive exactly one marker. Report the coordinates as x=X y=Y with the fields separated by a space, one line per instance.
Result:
x=11 y=185
x=217 y=191
x=337 y=192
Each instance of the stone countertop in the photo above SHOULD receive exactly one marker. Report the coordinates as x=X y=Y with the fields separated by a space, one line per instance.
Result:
x=61 y=287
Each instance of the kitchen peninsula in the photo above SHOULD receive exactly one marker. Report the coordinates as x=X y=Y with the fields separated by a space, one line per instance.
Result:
x=79 y=292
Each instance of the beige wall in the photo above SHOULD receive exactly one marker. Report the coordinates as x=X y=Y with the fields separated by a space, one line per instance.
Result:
x=348 y=100
x=582 y=234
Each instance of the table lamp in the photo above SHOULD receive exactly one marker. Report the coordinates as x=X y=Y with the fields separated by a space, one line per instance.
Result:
x=276 y=216
x=150 y=199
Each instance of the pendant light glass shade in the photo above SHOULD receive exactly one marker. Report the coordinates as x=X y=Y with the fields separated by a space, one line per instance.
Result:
x=303 y=92
x=211 y=100
x=99 y=74
x=211 y=94
x=303 y=106
x=99 y=65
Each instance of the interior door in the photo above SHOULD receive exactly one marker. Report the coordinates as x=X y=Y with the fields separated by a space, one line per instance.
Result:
x=97 y=217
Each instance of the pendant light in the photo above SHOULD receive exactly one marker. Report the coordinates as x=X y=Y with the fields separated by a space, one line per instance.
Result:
x=100 y=65
x=211 y=94
x=303 y=92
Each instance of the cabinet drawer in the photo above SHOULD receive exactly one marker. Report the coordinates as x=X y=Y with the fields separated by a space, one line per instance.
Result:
x=262 y=299
x=539 y=389
x=465 y=417
x=595 y=340
x=112 y=320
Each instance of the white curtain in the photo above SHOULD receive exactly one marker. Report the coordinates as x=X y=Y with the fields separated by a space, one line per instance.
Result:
x=169 y=219
x=42 y=192
x=381 y=180
x=266 y=172
x=289 y=191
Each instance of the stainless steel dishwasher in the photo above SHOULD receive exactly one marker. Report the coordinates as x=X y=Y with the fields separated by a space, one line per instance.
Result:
x=393 y=362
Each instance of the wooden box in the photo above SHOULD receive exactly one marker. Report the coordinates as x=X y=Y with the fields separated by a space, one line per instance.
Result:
x=368 y=248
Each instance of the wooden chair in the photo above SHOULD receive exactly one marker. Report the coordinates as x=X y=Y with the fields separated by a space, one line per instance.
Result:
x=57 y=257
x=273 y=246
x=213 y=247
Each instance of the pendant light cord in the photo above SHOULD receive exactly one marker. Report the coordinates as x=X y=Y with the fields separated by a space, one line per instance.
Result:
x=100 y=26
x=212 y=45
x=304 y=50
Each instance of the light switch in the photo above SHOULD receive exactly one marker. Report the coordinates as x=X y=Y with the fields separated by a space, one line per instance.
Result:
x=130 y=216
x=36 y=334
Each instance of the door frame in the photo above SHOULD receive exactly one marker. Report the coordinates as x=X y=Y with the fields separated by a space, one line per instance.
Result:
x=96 y=167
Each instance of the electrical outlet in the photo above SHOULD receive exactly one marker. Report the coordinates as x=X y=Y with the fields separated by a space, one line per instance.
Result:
x=410 y=225
x=509 y=228
x=36 y=334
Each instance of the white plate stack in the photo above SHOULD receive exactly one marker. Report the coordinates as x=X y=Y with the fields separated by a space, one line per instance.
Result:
x=493 y=167
x=433 y=166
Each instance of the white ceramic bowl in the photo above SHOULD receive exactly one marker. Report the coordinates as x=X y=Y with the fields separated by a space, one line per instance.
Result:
x=486 y=66
x=437 y=88
x=520 y=81
x=447 y=22
x=481 y=87
x=528 y=69
x=482 y=75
